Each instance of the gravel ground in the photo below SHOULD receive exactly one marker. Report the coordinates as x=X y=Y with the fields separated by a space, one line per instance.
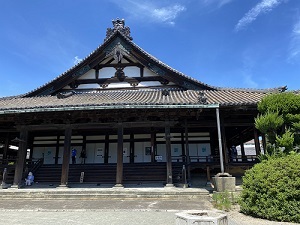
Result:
x=237 y=218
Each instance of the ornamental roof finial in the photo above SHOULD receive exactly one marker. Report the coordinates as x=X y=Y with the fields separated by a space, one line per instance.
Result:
x=119 y=25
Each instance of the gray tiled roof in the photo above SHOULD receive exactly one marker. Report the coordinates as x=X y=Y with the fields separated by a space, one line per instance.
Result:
x=130 y=97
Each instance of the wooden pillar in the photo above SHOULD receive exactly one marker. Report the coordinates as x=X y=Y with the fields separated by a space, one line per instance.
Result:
x=30 y=146
x=6 y=146
x=208 y=174
x=106 y=149
x=131 y=148
x=22 y=151
x=187 y=152
x=66 y=157
x=119 y=175
x=56 y=150
x=242 y=150
x=183 y=147
x=83 y=149
x=264 y=142
x=153 y=141
x=168 y=155
x=256 y=142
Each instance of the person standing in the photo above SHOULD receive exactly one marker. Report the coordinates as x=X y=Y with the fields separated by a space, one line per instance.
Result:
x=74 y=153
x=82 y=156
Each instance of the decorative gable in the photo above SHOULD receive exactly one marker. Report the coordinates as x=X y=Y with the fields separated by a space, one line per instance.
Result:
x=116 y=65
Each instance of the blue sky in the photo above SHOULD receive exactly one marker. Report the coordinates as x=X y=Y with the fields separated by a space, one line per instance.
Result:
x=226 y=43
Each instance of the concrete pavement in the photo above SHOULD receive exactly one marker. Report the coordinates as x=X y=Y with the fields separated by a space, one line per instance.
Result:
x=146 y=204
x=92 y=212
x=108 y=212
x=98 y=204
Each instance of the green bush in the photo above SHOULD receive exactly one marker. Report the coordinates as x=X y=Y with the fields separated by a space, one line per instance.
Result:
x=223 y=200
x=271 y=189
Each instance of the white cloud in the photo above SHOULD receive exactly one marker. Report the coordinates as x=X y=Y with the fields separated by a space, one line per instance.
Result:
x=167 y=14
x=223 y=2
x=264 y=6
x=219 y=3
x=294 y=51
x=77 y=60
x=152 y=11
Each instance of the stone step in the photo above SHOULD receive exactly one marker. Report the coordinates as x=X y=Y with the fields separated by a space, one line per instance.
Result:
x=104 y=191
x=107 y=193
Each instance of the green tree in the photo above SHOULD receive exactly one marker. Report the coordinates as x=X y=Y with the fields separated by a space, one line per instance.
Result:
x=279 y=120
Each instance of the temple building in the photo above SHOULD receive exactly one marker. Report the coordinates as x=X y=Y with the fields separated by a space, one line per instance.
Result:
x=130 y=118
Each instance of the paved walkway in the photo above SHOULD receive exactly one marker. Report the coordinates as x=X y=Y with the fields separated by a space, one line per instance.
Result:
x=106 y=210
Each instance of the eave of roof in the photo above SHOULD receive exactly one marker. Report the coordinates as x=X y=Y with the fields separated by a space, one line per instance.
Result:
x=129 y=99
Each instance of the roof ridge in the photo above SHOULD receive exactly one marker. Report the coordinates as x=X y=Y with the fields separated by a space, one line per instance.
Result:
x=276 y=89
x=128 y=90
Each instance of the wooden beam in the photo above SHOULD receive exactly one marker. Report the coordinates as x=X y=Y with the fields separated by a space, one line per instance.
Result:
x=120 y=65
x=97 y=60
x=111 y=81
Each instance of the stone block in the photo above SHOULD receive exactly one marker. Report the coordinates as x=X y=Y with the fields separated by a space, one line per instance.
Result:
x=201 y=217
x=224 y=183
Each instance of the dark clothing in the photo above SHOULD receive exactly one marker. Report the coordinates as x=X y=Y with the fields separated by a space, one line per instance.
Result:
x=82 y=156
x=74 y=152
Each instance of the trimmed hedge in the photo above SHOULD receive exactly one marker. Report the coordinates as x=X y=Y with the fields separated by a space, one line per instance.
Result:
x=271 y=189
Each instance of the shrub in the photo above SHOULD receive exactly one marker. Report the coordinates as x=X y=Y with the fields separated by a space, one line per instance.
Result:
x=223 y=200
x=271 y=189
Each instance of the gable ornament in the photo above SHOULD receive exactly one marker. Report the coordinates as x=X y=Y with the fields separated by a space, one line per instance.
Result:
x=118 y=25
